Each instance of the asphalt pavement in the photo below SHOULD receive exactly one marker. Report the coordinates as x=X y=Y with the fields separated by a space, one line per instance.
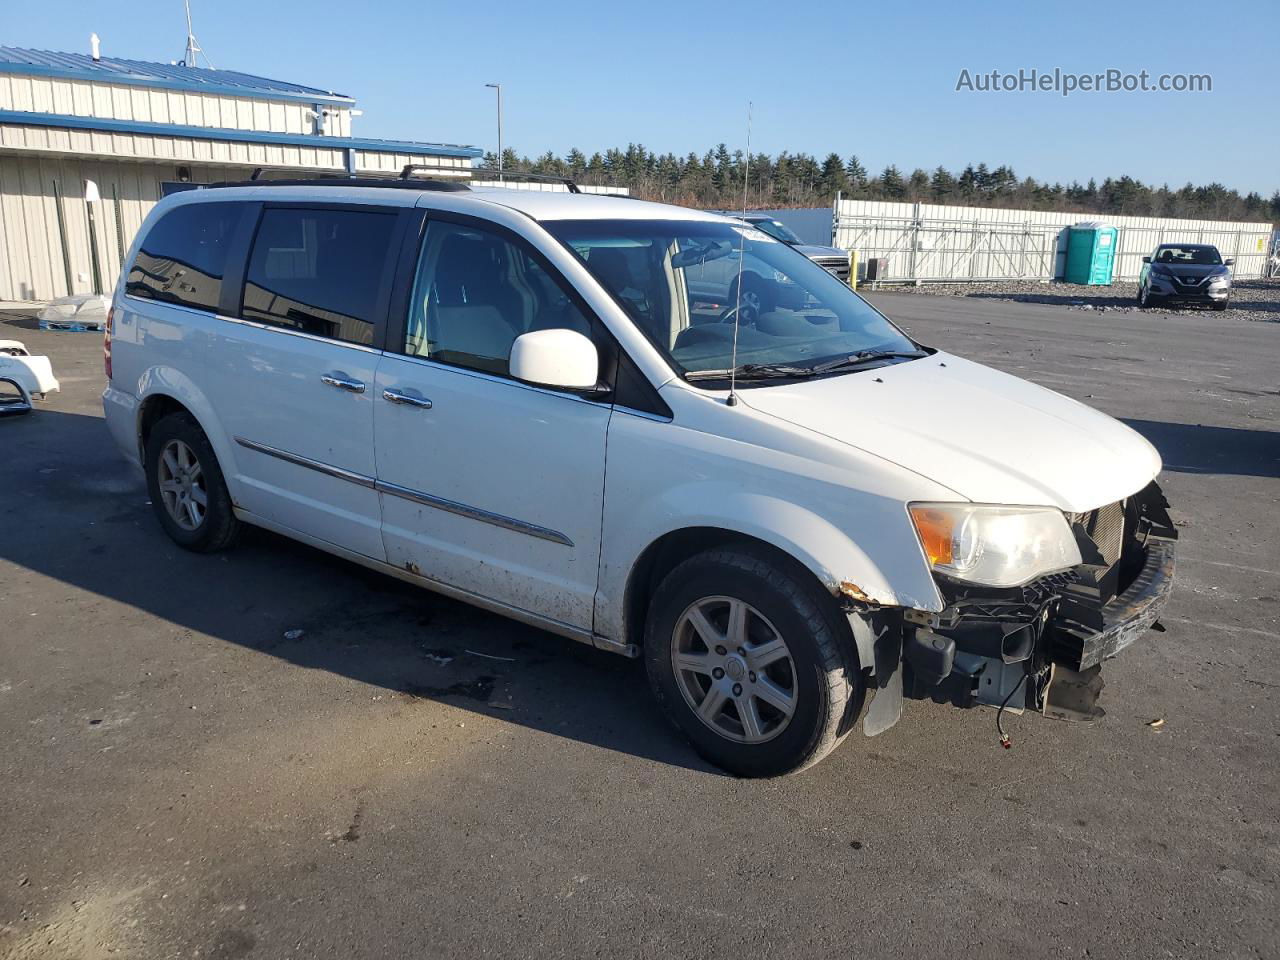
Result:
x=271 y=753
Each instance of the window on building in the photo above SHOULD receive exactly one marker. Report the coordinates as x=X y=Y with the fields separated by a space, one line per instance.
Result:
x=475 y=293
x=183 y=257
x=319 y=271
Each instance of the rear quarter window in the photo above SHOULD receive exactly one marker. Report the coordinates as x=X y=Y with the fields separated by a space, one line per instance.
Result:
x=183 y=257
x=319 y=271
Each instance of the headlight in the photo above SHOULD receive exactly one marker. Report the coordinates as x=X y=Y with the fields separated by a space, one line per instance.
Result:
x=994 y=545
x=1218 y=278
x=1161 y=273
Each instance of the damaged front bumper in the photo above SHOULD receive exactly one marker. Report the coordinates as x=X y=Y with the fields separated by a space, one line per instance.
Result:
x=1041 y=645
x=1121 y=620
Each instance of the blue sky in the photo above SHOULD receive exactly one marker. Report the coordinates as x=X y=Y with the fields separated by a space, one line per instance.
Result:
x=873 y=79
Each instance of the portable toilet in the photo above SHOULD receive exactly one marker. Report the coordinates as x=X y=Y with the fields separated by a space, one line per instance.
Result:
x=1091 y=253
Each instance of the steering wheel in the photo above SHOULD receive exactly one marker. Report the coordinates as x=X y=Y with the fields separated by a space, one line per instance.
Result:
x=748 y=305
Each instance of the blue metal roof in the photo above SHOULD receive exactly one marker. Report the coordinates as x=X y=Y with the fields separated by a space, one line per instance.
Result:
x=244 y=136
x=81 y=66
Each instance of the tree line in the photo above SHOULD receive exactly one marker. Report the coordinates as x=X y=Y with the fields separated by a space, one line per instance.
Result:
x=715 y=180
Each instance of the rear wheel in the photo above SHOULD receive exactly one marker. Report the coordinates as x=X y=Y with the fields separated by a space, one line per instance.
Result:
x=752 y=662
x=187 y=489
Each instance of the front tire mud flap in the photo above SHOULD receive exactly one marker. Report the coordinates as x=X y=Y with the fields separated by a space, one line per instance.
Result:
x=886 y=706
x=1073 y=694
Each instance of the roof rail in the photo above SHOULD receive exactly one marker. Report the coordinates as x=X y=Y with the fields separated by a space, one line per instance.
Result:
x=406 y=180
x=338 y=180
x=489 y=173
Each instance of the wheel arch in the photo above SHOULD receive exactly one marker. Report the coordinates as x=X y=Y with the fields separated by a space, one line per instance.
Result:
x=164 y=390
x=674 y=547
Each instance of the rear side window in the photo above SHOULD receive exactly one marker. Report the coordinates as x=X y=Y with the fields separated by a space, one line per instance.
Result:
x=183 y=257
x=319 y=271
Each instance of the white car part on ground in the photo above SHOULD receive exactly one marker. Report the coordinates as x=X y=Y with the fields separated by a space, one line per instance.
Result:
x=23 y=377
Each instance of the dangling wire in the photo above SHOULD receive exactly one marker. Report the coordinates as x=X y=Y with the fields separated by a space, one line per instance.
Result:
x=742 y=246
x=1004 y=737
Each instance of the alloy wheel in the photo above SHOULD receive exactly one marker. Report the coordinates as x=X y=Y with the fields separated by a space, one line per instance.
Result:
x=734 y=669
x=182 y=485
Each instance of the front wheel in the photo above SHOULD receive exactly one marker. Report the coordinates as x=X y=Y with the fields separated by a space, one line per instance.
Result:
x=1221 y=304
x=752 y=662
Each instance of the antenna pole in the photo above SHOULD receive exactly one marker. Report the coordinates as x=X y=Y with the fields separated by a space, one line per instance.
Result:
x=742 y=246
x=194 y=49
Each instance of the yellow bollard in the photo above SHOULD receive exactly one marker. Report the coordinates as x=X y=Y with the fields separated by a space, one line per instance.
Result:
x=853 y=269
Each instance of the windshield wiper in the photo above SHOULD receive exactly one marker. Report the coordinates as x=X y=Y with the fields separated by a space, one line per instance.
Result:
x=768 y=371
x=753 y=371
x=863 y=357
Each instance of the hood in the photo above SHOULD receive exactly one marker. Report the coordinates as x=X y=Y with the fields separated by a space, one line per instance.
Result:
x=990 y=437
x=1192 y=270
x=811 y=251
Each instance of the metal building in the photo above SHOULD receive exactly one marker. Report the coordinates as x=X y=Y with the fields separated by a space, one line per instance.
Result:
x=88 y=144
x=929 y=242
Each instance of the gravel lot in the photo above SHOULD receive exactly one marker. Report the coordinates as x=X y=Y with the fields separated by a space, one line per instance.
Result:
x=184 y=776
x=1256 y=300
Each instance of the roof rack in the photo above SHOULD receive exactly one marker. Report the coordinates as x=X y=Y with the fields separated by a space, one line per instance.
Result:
x=405 y=181
x=489 y=173
x=341 y=180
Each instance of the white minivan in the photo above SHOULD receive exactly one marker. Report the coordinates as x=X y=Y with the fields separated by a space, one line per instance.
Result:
x=557 y=406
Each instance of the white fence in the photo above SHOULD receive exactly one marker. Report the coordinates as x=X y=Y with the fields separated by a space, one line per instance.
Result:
x=926 y=242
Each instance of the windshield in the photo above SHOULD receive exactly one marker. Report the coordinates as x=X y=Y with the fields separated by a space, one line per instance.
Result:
x=1204 y=256
x=776 y=229
x=685 y=283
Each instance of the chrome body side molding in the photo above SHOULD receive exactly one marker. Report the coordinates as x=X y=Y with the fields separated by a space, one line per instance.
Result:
x=407 y=493
x=357 y=478
x=474 y=513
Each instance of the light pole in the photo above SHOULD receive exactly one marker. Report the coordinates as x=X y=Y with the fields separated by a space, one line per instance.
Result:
x=498 y=87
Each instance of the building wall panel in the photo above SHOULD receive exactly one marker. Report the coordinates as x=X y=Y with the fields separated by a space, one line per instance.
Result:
x=31 y=243
x=947 y=242
x=30 y=239
x=114 y=101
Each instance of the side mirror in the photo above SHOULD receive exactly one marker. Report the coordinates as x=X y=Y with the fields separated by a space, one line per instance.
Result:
x=1146 y=259
x=563 y=359
x=1230 y=261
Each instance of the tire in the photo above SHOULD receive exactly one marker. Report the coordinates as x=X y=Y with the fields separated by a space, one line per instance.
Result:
x=1221 y=304
x=819 y=675
x=203 y=528
x=1146 y=298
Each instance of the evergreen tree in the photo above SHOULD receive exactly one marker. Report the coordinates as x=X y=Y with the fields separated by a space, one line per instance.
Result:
x=833 y=178
x=942 y=186
x=856 y=173
x=891 y=184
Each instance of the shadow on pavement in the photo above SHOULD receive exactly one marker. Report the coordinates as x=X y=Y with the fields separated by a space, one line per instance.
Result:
x=1191 y=448
x=74 y=511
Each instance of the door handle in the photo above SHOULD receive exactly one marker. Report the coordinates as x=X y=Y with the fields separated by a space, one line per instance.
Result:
x=336 y=378
x=408 y=399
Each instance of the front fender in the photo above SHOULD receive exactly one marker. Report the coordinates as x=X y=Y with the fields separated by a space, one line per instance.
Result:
x=837 y=510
